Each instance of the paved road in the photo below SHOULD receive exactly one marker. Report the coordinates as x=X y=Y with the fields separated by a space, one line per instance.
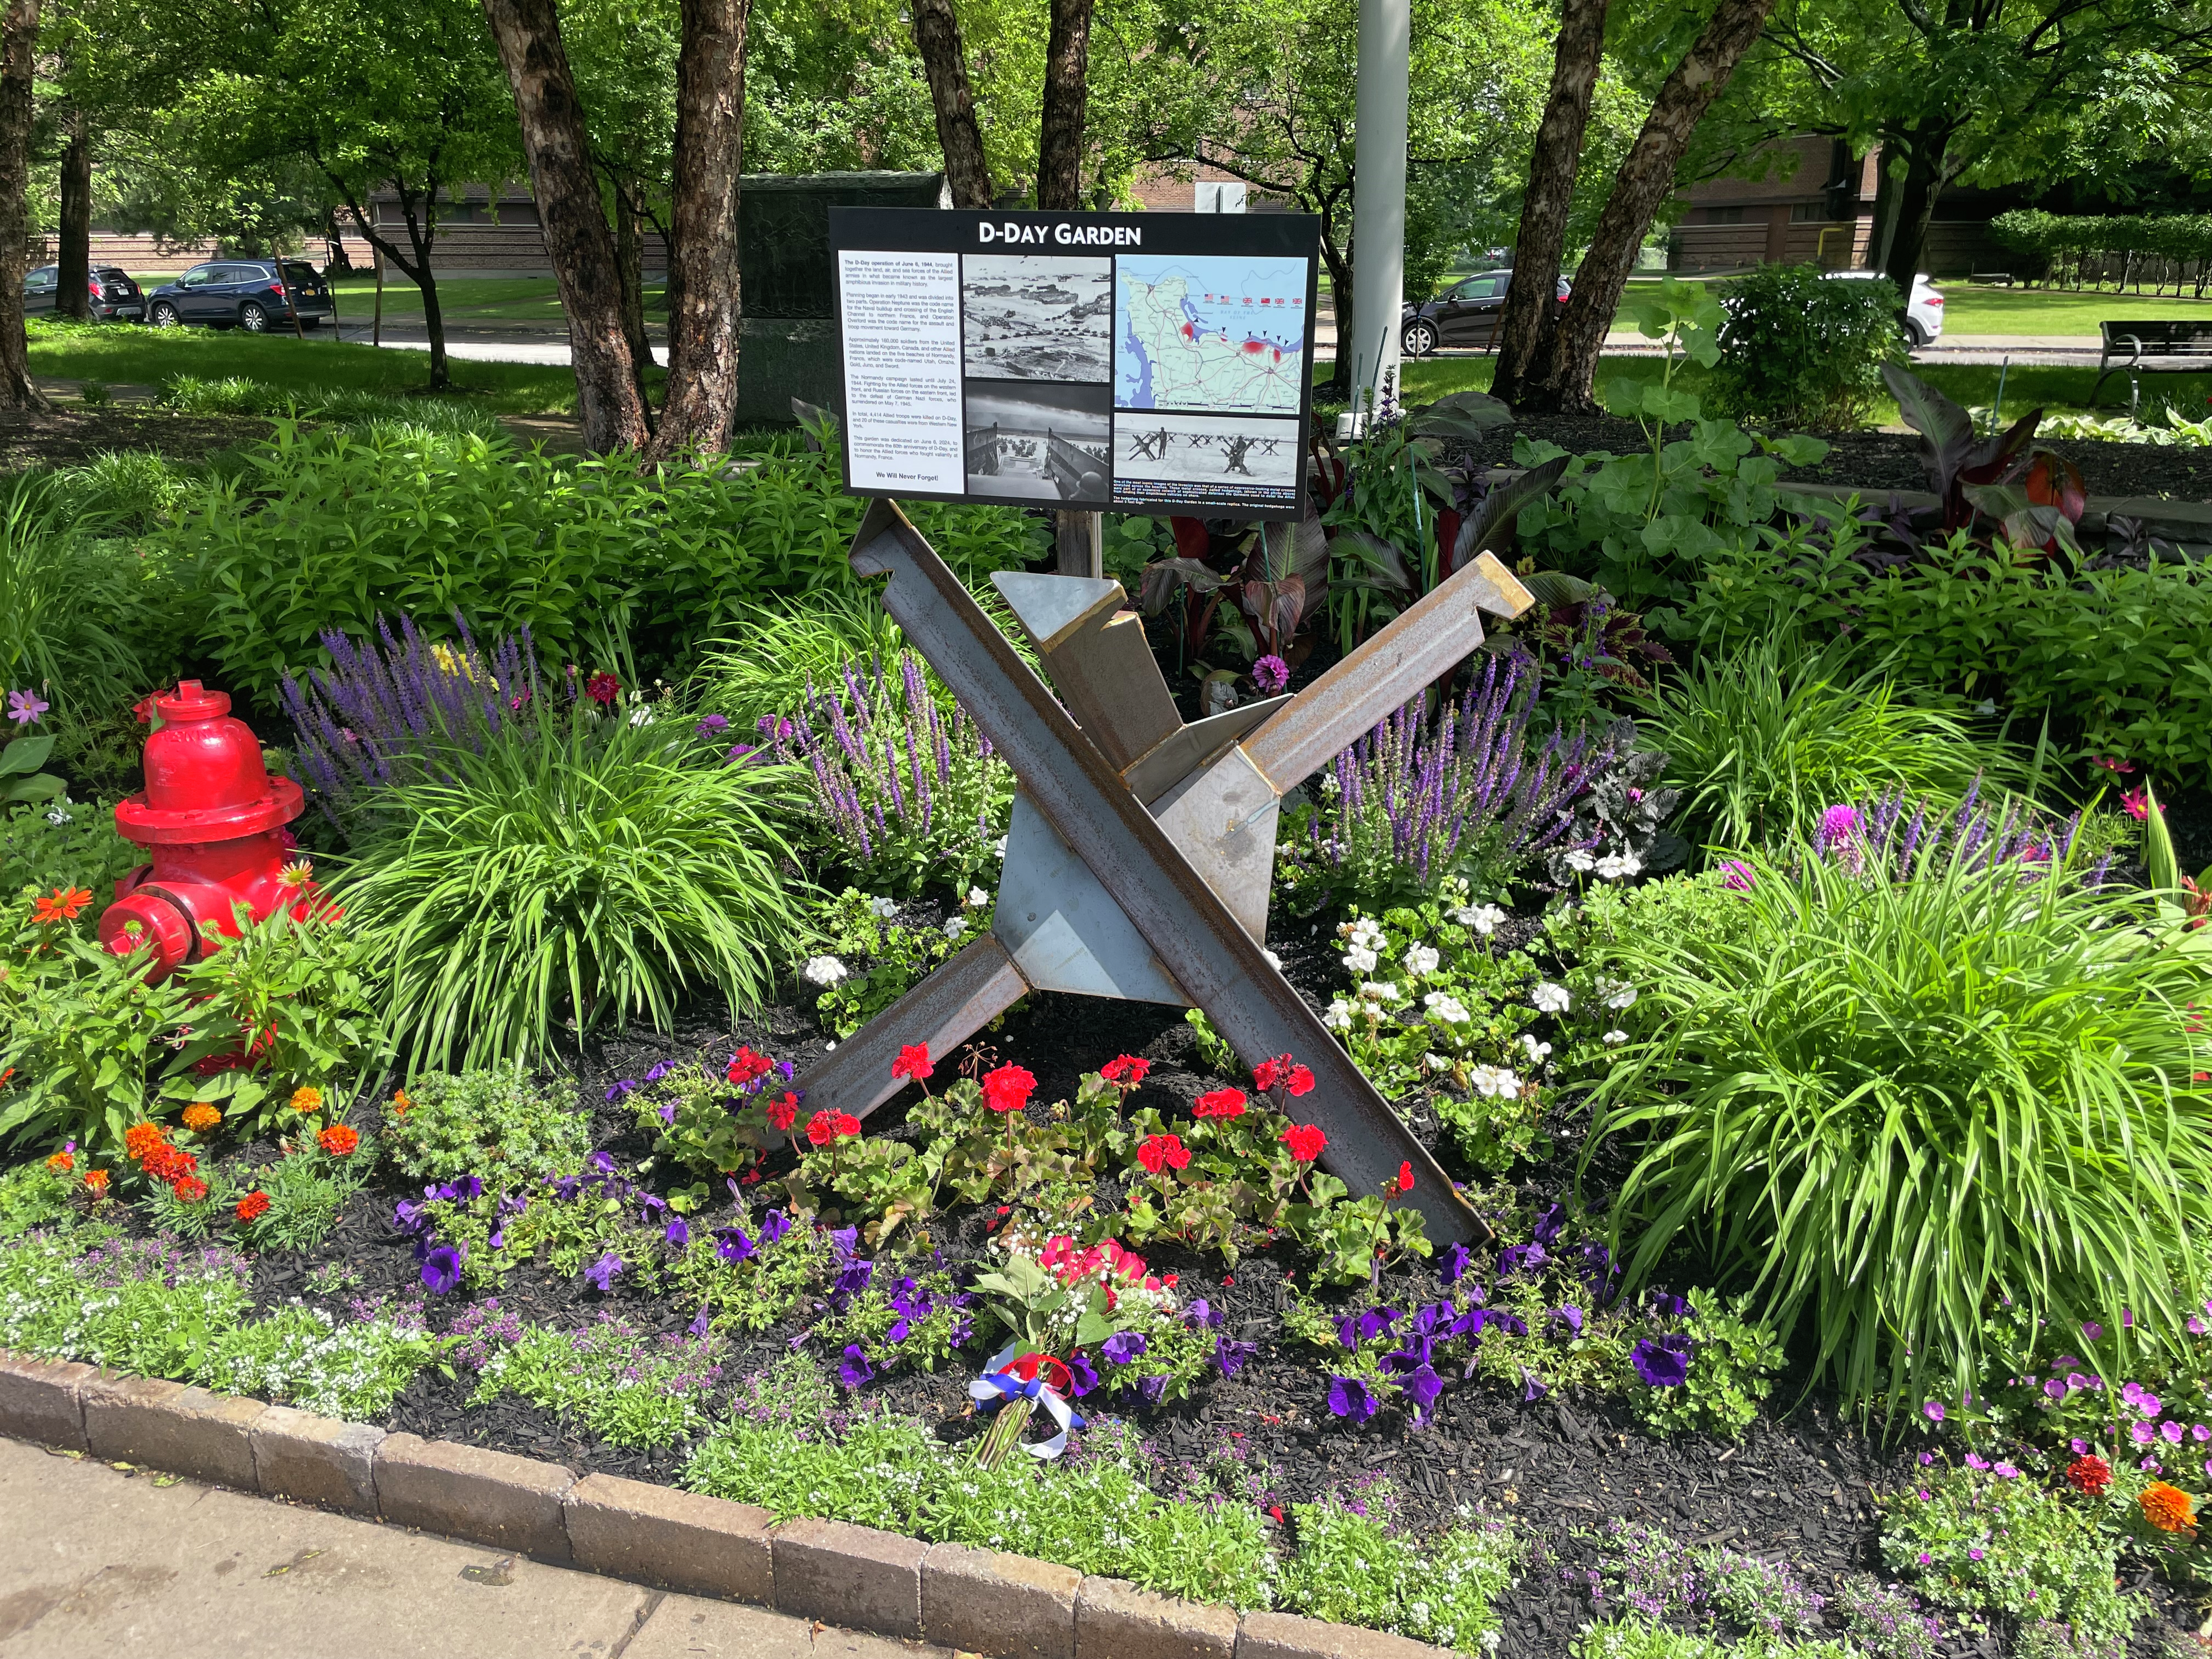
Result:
x=93 y=1561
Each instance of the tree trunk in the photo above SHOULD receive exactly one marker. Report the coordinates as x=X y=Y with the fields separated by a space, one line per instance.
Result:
x=936 y=39
x=630 y=270
x=1059 y=138
x=19 y=40
x=578 y=243
x=1530 y=310
x=1340 y=302
x=702 y=254
x=1569 y=365
x=74 y=275
x=1916 y=206
x=424 y=236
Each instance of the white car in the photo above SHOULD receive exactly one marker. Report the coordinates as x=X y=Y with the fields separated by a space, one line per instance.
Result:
x=1923 y=312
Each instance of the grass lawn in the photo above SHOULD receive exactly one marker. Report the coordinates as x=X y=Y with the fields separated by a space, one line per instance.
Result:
x=469 y=299
x=2046 y=311
x=121 y=355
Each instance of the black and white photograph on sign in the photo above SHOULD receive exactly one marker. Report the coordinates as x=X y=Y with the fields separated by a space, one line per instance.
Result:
x=1037 y=317
x=1040 y=443
x=1235 y=455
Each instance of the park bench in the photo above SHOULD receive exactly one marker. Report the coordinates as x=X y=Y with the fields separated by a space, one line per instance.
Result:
x=2158 y=348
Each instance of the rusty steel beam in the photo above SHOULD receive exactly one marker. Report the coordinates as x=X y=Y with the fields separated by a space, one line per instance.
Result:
x=1422 y=644
x=1219 y=965
x=946 y=1009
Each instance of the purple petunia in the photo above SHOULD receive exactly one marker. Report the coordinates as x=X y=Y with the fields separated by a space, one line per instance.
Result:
x=1349 y=1397
x=1202 y=1315
x=1456 y=1260
x=660 y=1069
x=602 y=1273
x=855 y=1369
x=1123 y=1346
x=1663 y=1362
x=1231 y=1354
x=1568 y=1315
x=677 y=1232
x=441 y=1269
x=622 y=1090
x=1082 y=1376
x=1550 y=1224
x=731 y=1244
x=1514 y=1257
x=777 y=1224
x=1533 y=1387
x=1422 y=1386
x=1668 y=1305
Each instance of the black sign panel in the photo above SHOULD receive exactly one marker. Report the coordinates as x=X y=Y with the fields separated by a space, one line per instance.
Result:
x=1137 y=362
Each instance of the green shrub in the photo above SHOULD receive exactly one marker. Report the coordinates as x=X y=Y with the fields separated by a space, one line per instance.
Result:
x=330 y=528
x=779 y=648
x=578 y=872
x=1733 y=1361
x=83 y=850
x=1763 y=739
x=62 y=603
x=494 y=1123
x=87 y=1038
x=1800 y=347
x=1893 y=1100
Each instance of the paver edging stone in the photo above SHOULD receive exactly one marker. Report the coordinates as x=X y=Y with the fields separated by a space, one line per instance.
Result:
x=978 y=1600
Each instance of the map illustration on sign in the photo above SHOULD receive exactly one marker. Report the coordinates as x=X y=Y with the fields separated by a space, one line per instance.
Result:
x=1210 y=333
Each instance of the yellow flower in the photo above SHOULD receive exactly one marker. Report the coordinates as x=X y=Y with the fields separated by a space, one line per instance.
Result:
x=306 y=1100
x=201 y=1116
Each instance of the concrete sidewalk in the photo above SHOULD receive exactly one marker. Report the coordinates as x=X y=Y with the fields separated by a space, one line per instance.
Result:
x=95 y=1560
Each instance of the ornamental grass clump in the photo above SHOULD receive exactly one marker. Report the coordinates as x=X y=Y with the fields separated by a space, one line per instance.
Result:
x=1899 y=1096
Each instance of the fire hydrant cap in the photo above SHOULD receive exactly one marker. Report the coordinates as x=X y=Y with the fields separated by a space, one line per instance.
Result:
x=192 y=701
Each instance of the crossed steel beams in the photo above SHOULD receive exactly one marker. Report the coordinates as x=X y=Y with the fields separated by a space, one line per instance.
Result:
x=1138 y=859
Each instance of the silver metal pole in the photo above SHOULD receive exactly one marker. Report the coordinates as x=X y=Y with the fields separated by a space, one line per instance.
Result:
x=1378 y=206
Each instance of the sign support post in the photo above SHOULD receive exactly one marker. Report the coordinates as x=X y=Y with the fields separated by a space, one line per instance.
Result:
x=1082 y=541
x=1378 y=202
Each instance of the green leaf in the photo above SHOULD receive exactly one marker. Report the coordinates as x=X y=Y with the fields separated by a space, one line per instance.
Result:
x=25 y=755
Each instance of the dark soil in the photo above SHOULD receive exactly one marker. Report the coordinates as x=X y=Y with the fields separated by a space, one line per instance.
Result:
x=75 y=436
x=1801 y=1486
x=1880 y=462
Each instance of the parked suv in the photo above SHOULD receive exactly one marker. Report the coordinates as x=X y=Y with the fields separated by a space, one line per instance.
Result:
x=109 y=290
x=1466 y=313
x=243 y=293
x=1924 y=311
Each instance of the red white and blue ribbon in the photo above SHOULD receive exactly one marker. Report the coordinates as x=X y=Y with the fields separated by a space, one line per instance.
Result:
x=1003 y=1383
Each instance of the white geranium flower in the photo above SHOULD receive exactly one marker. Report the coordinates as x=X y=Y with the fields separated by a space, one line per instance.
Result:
x=1421 y=961
x=1435 y=1062
x=1273 y=960
x=1338 y=1016
x=954 y=927
x=1613 y=867
x=998 y=848
x=1496 y=1081
x=883 y=906
x=1550 y=998
x=1581 y=860
x=1445 y=1008
x=1617 y=992
x=1382 y=990
x=1613 y=1039
x=1538 y=1052
x=978 y=898
x=825 y=971
x=1483 y=917
x=58 y=817
x=1357 y=961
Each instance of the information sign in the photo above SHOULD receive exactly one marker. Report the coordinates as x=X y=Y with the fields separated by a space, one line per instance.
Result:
x=1135 y=362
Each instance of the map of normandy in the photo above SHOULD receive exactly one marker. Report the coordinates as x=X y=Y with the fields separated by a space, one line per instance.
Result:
x=1210 y=333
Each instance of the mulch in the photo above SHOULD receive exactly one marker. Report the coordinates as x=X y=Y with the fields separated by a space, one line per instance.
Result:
x=74 y=435
x=1800 y=1486
x=1880 y=462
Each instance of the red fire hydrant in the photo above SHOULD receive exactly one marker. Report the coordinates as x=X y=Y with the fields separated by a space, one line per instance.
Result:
x=214 y=820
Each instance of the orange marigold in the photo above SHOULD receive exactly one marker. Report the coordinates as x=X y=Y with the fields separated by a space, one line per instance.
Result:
x=2167 y=1507
x=401 y=1105
x=191 y=1189
x=254 y=1206
x=306 y=1100
x=62 y=1162
x=96 y=1182
x=201 y=1116
x=140 y=1139
x=338 y=1140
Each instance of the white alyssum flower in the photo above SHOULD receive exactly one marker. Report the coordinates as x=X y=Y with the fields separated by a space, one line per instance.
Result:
x=1617 y=994
x=825 y=971
x=1483 y=917
x=1421 y=961
x=1445 y=1008
x=1550 y=998
x=1379 y=990
x=954 y=927
x=1615 y=1038
x=1538 y=1052
x=978 y=898
x=1338 y=1016
x=883 y=907
x=1613 y=867
x=1581 y=860
x=1496 y=1081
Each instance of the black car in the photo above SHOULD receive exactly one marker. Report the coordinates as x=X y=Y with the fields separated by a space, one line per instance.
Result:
x=108 y=289
x=1464 y=314
x=245 y=293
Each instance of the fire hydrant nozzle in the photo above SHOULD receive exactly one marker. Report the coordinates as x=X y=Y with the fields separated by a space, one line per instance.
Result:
x=214 y=820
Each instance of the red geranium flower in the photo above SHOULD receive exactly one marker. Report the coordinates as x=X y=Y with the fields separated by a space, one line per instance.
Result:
x=784 y=1112
x=253 y=1205
x=1163 y=1151
x=191 y=1189
x=1007 y=1089
x=913 y=1061
x=1305 y=1141
x=339 y=1141
x=1300 y=1080
x=1126 y=1070
x=2090 y=1475
x=1222 y=1103
x=825 y=1126
x=603 y=688
x=1404 y=1183
x=745 y=1065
